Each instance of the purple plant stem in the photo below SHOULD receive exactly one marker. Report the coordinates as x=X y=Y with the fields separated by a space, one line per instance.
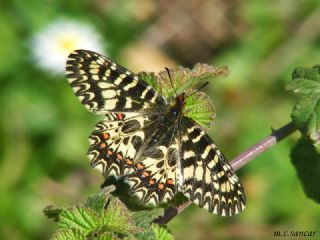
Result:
x=252 y=152
x=239 y=161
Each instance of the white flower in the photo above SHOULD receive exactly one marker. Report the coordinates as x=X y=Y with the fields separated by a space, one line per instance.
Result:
x=52 y=45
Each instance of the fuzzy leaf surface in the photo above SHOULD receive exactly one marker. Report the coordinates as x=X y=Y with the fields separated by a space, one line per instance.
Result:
x=306 y=161
x=306 y=113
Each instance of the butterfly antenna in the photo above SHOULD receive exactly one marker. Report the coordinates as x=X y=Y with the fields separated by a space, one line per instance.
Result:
x=205 y=84
x=168 y=71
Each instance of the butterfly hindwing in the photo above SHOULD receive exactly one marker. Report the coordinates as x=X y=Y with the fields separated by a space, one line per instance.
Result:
x=117 y=140
x=104 y=86
x=154 y=181
x=209 y=180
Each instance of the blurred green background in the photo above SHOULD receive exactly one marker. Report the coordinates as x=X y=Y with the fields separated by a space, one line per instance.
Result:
x=44 y=129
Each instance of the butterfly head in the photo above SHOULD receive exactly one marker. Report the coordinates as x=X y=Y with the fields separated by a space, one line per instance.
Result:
x=181 y=100
x=177 y=105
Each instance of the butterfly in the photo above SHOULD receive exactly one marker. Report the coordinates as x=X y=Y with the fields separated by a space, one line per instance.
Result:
x=147 y=139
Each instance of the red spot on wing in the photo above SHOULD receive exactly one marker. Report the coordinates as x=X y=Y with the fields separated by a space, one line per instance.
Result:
x=170 y=181
x=151 y=181
x=161 y=186
x=120 y=116
x=140 y=166
x=103 y=145
x=106 y=135
x=128 y=161
x=109 y=152
x=146 y=174
x=119 y=156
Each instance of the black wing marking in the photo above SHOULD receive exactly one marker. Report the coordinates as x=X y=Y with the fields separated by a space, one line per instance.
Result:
x=154 y=180
x=209 y=180
x=104 y=86
x=117 y=140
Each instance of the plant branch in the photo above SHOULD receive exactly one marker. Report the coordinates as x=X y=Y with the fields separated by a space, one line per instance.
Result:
x=239 y=161
x=252 y=152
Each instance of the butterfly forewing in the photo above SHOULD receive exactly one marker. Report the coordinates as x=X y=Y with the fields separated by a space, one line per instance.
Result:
x=158 y=153
x=104 y=86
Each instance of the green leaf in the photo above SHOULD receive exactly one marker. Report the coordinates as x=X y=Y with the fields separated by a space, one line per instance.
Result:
x=185 y=80
x=179 y=199
x=78 y=217
x=146 y=217
x=149 y=78
x=306 y=161
x=118 y=219
x=69 y=234
x=104 y=217
x=144 y=220
x=303 y=86
x=202 y=73
x=108 y=236
x=52 y=212
x=104 y=235
x=306 y=113
x=162 y=233
x=306 y=81
x=200 y=108
x=307 y=73
x=98 y=201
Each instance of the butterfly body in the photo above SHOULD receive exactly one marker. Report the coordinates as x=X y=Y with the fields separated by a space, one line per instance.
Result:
x=147 y=139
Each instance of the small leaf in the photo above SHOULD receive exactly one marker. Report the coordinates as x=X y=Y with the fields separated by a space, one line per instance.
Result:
x=306 y=160
x=69 y=234
x=78 y=217
x=118 y=219
x=108 y=236
x=102 y=217
x=201 y=109
x=202 y=73
x=306 y=113
x=144 y=219
x=307 y=73
x=105 y=235
x=305 y=81
x=303 y=86
x=162 y=233
x=185 y=80
x=98 y=202
x=150 y=78
x=52 y=212
x=179 y=199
